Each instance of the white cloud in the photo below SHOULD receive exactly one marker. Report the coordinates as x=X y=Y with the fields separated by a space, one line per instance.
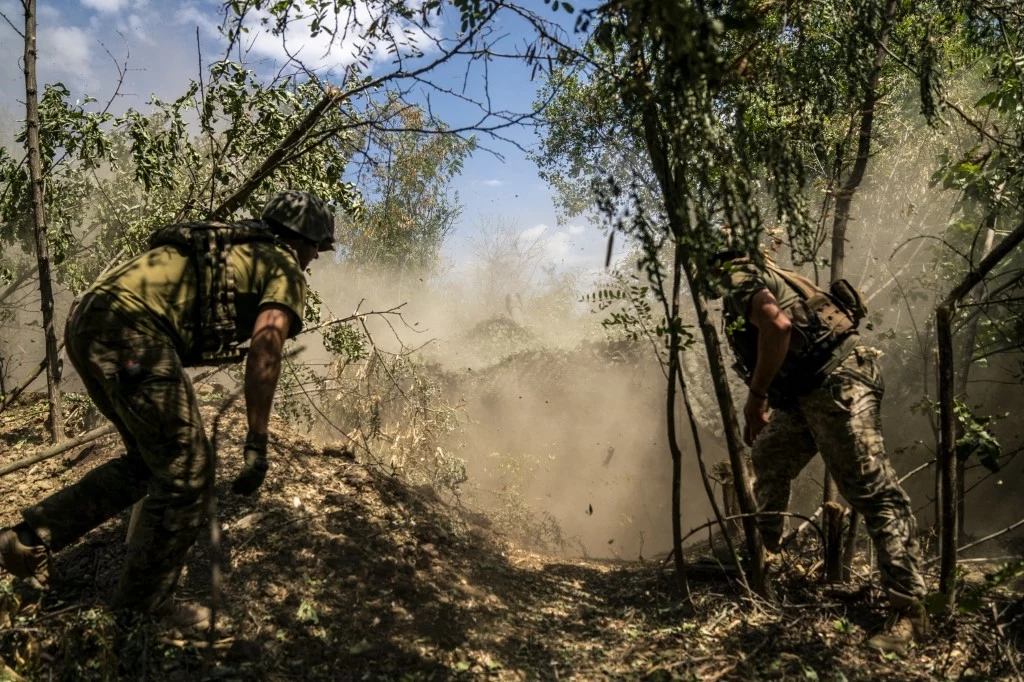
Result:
x=557 y=246
x=534 y=232
x=493 y=183
x=326 y=52
x=192 y=15
x=576 y=229
x=105 y=5
x=67 y=50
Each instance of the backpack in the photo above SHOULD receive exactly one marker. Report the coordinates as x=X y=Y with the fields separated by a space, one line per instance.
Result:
x=214 y=331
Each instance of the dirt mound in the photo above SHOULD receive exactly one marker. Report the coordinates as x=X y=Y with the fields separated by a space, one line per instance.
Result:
x=335 y=572
x=487 y=343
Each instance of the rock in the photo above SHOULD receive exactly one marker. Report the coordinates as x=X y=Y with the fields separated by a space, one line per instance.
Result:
x=247 y=521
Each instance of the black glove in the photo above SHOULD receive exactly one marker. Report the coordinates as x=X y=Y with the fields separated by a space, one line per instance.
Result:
x=255 y=468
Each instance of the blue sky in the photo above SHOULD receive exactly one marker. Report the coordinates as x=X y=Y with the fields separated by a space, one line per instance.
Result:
x=159 y=44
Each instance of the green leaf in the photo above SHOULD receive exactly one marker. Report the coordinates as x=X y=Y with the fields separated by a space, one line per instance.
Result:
x=307 y=613
x=360 y=647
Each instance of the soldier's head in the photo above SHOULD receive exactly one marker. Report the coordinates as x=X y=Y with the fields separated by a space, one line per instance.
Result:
x=303 y=221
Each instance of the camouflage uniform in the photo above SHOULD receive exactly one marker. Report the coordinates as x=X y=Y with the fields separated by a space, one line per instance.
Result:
x=842 y=420
x=139 y=384
x=126 y=339
x=838 y=416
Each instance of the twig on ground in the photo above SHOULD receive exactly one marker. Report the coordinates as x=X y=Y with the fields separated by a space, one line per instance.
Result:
x=992 y=536
x=60 y=448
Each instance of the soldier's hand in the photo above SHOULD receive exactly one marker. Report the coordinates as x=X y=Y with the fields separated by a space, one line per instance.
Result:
x=755 y=412
x=254 y=469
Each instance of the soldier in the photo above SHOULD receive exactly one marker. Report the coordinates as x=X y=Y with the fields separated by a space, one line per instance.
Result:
x=191 y=299
x=800 y=354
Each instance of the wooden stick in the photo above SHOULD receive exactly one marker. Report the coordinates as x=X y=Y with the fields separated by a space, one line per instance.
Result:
x=993 y=536
x=834 y=513
x=55 y=450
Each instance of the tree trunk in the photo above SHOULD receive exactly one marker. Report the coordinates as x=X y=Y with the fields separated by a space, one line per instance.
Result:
x=673 y=440
x=39 y=219
x=734 y=441
x=947 y=432
x=963 y=376
x=844 y=196
x=948 y=469
x=673 y=190
x=833 y=513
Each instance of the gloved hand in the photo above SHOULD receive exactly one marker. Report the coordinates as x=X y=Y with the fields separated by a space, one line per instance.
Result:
x=255 y=468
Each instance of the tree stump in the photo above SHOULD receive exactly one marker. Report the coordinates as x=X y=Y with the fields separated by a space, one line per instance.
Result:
x=833 y=514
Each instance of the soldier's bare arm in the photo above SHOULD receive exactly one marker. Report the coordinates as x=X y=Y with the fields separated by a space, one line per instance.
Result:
x=773 y=332
x=263 y=366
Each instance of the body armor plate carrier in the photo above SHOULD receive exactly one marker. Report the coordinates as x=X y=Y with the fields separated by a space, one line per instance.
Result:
x=214 y=333
x=822 y=321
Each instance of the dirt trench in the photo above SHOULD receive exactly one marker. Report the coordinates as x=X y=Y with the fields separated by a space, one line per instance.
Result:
x=335 y=572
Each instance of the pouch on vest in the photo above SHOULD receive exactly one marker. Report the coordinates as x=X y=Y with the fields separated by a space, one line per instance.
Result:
x=834 y=317
x=850 y=299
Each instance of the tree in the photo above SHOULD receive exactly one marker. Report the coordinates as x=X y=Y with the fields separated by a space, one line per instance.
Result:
x=507 y=259
x=39 y=224
x=411 y=210
x=990 y=190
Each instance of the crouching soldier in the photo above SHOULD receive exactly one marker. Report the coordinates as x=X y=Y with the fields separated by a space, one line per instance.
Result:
x=799 y=352
x=200 y=290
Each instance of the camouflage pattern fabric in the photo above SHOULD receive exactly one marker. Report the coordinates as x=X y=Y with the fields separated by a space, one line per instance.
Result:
x=304 y=214
x=156 y=291
x=842 y=420
x=136 y=381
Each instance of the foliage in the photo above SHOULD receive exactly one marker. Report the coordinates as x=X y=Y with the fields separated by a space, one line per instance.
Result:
x=972 y=597
x=412 y=211
x=394 y=415
x=985 y=176
x=112 y=180
x=628 y=307
x=976 y=437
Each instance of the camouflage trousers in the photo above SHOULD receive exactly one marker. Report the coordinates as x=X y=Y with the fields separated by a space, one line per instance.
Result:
x=138 y=383
x=842 y=420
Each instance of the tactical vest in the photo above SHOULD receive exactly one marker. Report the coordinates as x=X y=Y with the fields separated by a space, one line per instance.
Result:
x=214 y=334
x=822 y=321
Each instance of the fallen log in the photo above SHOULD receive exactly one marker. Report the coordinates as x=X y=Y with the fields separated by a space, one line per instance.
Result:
x=55 y=450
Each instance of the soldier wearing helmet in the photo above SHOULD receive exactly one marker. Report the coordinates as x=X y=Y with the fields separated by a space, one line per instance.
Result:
x=200 y=291
x=799 y=352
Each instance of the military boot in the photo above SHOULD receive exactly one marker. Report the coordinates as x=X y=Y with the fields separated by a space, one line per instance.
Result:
x=907 y=624
x=26 y=560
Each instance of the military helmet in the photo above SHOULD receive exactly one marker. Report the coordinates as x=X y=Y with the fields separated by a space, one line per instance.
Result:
x=301 y=213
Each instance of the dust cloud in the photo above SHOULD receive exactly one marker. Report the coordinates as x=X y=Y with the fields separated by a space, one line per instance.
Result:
x=561 y=427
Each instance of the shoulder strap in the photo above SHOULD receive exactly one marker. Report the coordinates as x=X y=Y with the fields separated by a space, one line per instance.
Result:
x=831 y=314
x=804 y=286
x=208 y=243
x=185 y=234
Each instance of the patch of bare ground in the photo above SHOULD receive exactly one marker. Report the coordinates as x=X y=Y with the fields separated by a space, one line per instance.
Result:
x=336 y=572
